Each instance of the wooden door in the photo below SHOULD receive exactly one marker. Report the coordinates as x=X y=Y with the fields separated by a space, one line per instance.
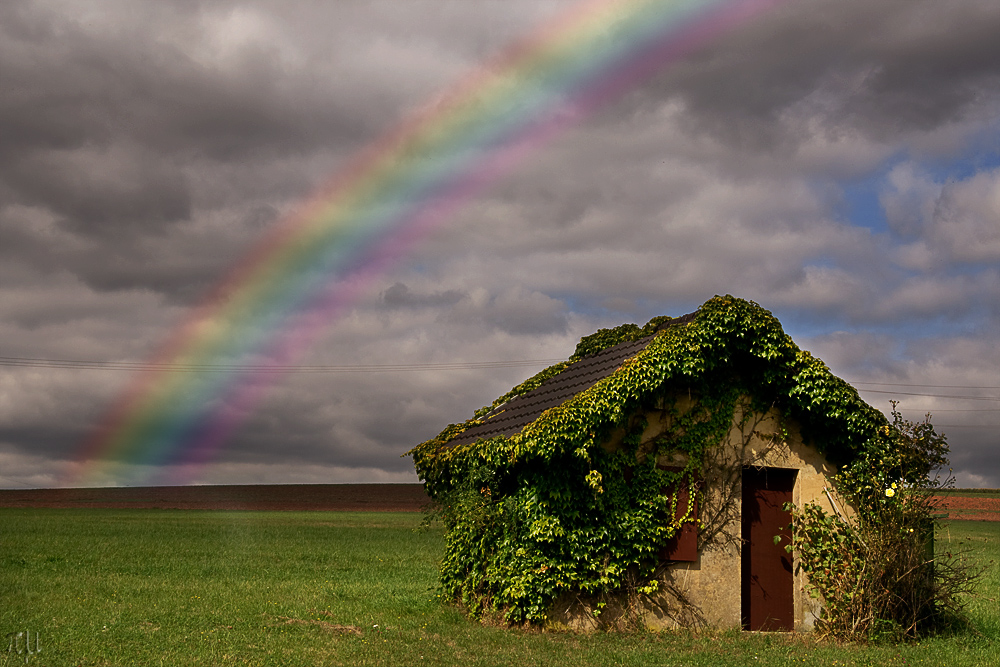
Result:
x=767 y=582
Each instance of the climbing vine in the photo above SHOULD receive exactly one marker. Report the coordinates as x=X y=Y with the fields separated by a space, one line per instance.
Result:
x=573 y=505
x=875 y=568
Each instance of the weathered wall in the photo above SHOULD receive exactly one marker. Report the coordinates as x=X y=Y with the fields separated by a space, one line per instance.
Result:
x=707 y=592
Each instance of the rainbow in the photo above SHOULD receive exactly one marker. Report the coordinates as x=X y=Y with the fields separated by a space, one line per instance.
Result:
x=318 y=262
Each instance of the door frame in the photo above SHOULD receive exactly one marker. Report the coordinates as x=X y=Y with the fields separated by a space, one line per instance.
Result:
x=767 y=581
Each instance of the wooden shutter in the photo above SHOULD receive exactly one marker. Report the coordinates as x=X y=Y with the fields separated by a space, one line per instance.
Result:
x=683 y=546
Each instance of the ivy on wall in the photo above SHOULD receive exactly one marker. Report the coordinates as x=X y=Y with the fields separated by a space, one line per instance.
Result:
x=554 y=511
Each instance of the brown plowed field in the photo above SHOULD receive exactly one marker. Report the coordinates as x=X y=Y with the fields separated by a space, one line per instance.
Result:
x=970 y=508
x=322 y=497
x=300 y=497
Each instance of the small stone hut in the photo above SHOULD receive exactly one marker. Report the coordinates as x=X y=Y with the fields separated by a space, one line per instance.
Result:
x=643 y=481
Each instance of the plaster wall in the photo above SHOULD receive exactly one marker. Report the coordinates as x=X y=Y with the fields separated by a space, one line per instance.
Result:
x=707 y=592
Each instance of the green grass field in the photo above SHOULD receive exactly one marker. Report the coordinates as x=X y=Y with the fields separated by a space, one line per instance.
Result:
x=154 y=587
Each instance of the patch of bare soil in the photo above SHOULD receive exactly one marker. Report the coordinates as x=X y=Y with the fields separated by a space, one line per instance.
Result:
x=969 y=508
x=336 y=628
x=297 y=497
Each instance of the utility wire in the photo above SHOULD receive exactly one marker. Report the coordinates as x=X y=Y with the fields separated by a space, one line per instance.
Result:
x=80 y=364
x=937 y=410
x=938 y=386
x=908 y=393
x=23 y=362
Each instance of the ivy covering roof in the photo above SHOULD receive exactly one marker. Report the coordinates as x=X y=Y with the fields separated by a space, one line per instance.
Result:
x=510 y=416
x=615 y=371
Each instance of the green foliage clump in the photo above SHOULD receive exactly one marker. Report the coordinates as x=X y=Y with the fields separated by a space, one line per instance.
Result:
x=876 y=570
x=602 y=339
x=573 y=504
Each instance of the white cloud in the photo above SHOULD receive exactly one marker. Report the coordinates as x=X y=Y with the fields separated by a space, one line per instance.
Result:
x=230 y=35
x=827 y=288
x=19 y=470
x=967 y=218
x=909 y=199
x=925 y=375
x=955 y=221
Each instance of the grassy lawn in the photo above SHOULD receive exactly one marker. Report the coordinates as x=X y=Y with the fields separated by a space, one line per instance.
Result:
x=152 y=587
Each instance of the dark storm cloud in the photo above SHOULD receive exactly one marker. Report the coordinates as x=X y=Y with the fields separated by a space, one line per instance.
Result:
x=129 y=125
x=45 y=441
x=881 y=68
x=401 y=295
x=147 y=145
x=929 y=68
x=113 y=133
x=70 y=88
x=113 y=196
x=514 y=311
x=362 y=426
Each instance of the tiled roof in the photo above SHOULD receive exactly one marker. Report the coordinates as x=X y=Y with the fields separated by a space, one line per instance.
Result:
x=515 y=414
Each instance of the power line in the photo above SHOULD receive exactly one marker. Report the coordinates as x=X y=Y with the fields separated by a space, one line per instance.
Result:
x=16 y=481
x=937 y=410
x=133 y=366
x=963 y=409
x=938 y=386
x=25 y=362
x=907 y=393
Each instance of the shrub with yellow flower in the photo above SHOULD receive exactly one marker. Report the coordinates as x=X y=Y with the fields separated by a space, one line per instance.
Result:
x=887 y=548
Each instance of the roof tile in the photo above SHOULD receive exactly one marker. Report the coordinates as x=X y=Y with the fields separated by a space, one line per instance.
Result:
x=512 y=416
x=515 y=414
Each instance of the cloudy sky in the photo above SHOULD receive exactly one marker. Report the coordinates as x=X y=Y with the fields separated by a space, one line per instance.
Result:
x=837 y=161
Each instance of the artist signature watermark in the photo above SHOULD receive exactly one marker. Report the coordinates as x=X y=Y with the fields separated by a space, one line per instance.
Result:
x=24 y=643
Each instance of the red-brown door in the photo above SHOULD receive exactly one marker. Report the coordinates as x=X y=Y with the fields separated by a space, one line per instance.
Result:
x=767 y=583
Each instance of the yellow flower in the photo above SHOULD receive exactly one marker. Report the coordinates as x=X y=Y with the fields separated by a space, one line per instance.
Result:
x=890 y=493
